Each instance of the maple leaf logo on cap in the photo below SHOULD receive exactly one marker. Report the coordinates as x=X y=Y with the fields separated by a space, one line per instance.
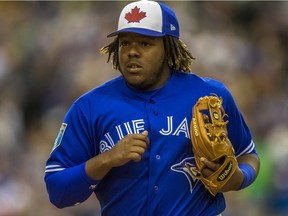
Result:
x=135 y=15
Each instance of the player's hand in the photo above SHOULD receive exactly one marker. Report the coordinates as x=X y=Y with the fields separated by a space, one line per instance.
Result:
x=233 y=183
x=210 y=167
x=129 y=148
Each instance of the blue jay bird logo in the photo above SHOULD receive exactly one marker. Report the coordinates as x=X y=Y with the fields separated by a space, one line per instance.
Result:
x=181 y=168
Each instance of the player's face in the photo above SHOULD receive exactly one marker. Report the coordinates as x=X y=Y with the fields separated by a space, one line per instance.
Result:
x=142 y=61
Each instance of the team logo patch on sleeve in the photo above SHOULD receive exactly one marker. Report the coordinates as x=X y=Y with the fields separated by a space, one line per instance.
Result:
x=59 y=136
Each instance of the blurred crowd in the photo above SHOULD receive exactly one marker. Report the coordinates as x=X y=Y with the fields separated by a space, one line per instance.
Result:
x=49 y=56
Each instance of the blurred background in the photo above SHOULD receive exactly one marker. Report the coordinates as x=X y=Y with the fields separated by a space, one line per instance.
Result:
x=49 y=56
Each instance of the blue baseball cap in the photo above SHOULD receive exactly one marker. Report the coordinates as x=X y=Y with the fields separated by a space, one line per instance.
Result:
x=148 y=18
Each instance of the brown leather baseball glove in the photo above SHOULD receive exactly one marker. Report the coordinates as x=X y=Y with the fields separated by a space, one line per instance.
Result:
x=210 y=140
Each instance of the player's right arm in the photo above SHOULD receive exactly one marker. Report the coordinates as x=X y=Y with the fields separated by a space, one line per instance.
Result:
x=130 y=148
x=73 y=170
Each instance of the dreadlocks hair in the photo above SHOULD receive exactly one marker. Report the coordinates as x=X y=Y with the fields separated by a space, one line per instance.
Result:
x=179 y=57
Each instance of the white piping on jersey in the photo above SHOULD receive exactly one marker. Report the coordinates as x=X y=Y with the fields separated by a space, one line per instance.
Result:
x=53 y=168
x=248 y=150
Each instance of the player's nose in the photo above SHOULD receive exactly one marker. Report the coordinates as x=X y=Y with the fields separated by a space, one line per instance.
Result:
x=133 y=51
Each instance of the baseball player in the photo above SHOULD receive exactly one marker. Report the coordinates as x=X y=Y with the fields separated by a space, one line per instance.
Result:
x=128 y=140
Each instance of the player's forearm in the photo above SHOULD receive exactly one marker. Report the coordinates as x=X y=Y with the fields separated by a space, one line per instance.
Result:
x=250 y=159
x=97 y=167
x=129 y=148
x=69 y=187
x=249 y=165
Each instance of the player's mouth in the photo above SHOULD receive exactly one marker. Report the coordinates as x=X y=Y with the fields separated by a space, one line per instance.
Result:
x=133 y=67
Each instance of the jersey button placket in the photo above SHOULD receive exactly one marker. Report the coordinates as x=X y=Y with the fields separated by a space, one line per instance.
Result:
x=156 y=187
x=151 y=101
x=156 y=157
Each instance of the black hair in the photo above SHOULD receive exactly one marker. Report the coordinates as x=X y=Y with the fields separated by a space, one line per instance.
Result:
x=179 y=57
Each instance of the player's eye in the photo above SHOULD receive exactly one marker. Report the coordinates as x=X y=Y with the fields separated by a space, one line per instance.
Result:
x=145 y=43
x=124 y=43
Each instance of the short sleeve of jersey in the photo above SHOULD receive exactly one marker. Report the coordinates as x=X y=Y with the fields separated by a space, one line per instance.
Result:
x=238 y=131
x=74 y=143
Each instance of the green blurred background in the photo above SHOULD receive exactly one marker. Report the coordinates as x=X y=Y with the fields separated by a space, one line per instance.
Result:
x=49 y=56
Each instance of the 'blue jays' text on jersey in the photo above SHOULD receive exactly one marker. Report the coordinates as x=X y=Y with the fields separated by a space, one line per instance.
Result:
x=157 y=185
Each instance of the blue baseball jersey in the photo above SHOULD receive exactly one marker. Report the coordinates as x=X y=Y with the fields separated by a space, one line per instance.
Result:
x=157 y=185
